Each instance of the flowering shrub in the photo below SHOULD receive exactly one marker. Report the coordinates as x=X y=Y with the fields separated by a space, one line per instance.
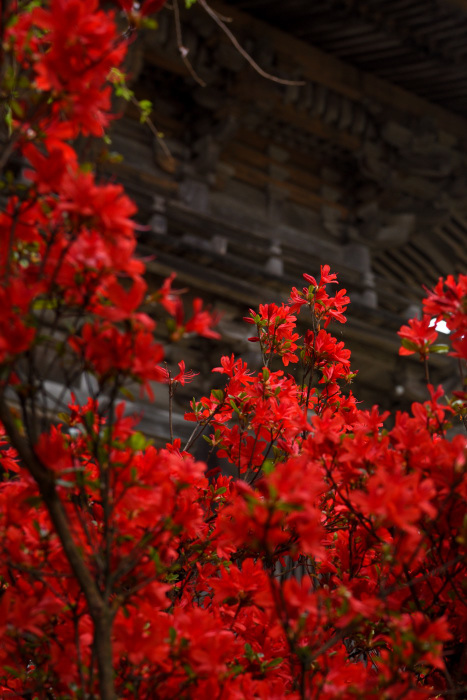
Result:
x=334 y=566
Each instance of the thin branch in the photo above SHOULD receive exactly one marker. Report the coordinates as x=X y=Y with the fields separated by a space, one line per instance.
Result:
x=221 y=24
x=183 y=49
x=420 y=579
x=46 y=483
x=171 y=398
x=154 y=130
x=98 y=609
x=427 y=371
x=196 y=430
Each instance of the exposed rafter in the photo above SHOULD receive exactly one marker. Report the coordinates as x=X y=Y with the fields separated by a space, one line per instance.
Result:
x=325 y=69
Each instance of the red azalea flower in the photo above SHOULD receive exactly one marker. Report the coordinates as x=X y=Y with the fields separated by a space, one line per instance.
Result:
x=181 y=378
x=418 y=336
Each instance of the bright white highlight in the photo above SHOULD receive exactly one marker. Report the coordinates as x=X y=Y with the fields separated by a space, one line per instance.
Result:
x=441 y=326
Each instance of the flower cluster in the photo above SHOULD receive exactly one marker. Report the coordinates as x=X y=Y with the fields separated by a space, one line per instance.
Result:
x=446 y=302
x=323 y=307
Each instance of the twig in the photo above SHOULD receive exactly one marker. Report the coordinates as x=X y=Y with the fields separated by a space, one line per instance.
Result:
x=420 y=579
x=194 y=436
x=427 y=372
x=171 y=400
x=183 y=49
x=221 y=23
x=154 y=130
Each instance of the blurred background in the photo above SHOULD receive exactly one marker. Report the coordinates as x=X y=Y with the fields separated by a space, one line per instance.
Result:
x=353 y=153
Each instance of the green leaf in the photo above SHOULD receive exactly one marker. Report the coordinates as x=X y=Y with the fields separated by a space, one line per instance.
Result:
x=23 y=82
x=114 y=157
x=88 y=418
x=138 y=442
x=408 y=344
x=439 y=349
x=31 y=5
x=149 y=23
x=187 y=668
x=9 y=120
x=124 y=91
x=17 y=109
x=65 y=484
x=235 y=670
x=189 y=3
x=35 y=501
x=146 y=109
x=155 y=558
x=87 y=167
x=44 y=304
x=64 y=417
x=234 y=406
x=127 y=393
x=116 y=76
x=15 y=672
x=267 y=466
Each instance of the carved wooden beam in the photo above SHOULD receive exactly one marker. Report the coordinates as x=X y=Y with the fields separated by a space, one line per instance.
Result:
x=337 y=75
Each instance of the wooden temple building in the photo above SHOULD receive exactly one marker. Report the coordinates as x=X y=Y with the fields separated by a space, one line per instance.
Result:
x=360 y=161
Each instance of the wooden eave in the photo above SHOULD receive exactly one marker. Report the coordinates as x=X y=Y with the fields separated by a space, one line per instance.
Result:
x=345 y=79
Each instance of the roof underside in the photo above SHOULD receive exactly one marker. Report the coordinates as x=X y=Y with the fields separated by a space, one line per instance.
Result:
x=420 y=45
